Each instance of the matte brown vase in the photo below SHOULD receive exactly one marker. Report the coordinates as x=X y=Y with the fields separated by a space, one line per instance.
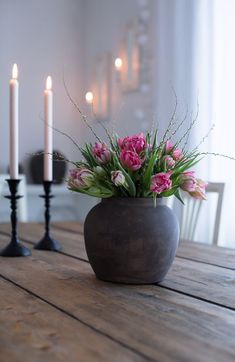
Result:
x=128 y=240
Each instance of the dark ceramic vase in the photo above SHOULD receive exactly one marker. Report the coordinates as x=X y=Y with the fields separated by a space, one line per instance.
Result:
x=128 y=240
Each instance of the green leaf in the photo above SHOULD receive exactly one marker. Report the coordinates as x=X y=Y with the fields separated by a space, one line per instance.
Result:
x=149 y=169
x=177 y=194
x=154 y=140
x=148 y=138
x=186 y=165
x=130 y=184
x=170 y=192
x=95 y=192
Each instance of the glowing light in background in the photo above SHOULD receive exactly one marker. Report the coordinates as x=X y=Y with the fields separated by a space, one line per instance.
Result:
x=118 y=63
x=89 y=97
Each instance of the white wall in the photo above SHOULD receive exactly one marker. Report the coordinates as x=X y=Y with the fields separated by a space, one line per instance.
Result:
x=104 y=27
x=42 y=37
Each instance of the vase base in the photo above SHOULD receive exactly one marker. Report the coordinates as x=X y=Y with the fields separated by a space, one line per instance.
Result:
x=15 y=250
x=130 y=281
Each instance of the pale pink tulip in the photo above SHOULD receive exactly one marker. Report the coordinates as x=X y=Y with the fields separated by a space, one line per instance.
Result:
x=80 y=178
x=177 y=154
x=170 y=162
x=200 y=190
x=168 y=146
x=118 y=178
x=101 y=153
x=188 y=181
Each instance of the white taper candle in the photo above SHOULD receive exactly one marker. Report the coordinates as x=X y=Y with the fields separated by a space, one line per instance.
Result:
x=14 y=124
x=48 y=117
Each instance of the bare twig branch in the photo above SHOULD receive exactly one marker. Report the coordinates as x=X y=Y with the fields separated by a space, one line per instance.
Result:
x=172 y=117
x=217 y=154
x=179 y=125
x=63 y=133
x=79 y=110
x=190 y=126
x=204 y=138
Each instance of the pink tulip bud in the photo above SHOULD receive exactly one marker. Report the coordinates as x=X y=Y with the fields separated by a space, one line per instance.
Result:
x=169 y=161
x=168 y=146
x=118 y=178
x=101 y=153
x=177 y=154
x=80 y=178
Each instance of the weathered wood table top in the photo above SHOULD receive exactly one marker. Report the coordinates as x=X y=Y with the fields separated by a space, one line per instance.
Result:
x=52 y=308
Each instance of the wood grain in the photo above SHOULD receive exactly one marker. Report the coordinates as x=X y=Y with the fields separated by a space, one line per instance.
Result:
x=158 y=323
x=72 y=226
x=33 y=330
x=72 y=243
x=209 y=254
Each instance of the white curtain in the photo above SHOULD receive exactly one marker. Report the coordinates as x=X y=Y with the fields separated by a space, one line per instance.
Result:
x=213 y=73
x=195 y=52
x=223 y=108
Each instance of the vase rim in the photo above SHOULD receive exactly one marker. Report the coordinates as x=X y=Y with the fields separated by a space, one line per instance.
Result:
x=134 y=200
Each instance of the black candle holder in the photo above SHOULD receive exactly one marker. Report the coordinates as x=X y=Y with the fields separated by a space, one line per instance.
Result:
x=47 y=243
x=14 y=248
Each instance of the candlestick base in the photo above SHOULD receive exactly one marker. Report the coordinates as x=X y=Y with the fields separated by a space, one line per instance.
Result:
x=14 y=248
x=47 y=242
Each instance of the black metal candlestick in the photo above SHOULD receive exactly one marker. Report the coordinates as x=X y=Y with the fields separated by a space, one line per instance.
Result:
x=14 y=248
x=47 y=243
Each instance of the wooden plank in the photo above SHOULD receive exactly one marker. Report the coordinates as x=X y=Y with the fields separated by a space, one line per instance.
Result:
x=189 y=277
x=160 y=324
x=72 y=226
x=205 y=253
x=205 y=281
x=32 y=330
x=72 y=243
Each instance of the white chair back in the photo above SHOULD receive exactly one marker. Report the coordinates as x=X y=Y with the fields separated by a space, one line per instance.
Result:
x=22 y=203
x=191 y=211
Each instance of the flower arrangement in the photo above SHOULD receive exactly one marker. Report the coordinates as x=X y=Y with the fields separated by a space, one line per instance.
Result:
x=136 y=166
x=139 y=165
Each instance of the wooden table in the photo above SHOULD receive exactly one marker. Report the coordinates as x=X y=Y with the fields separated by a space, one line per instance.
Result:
x=52 y=308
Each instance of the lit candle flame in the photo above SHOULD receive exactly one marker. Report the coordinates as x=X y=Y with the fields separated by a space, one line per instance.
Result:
x=15 y=71
x=49 y=83
x=89 y=97
x=118 y=63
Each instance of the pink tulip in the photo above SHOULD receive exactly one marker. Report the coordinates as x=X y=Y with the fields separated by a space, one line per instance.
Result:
x=170 y=162
x=161 y=182
x=168 y=146
x=177 y=154
x=130 y=160
x=200 y=190
x=188 y=181
x=80 y=178
x=101 y=153
x=136 y=143
x=118 y=178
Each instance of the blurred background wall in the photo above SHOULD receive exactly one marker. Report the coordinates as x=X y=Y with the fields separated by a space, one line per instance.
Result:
x=186 y=47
